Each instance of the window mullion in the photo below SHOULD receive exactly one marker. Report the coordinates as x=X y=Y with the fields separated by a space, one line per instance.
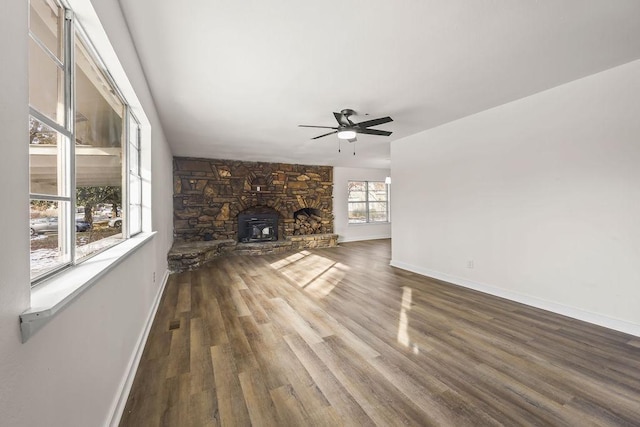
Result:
x=386 y=187
x=49 y=197
x=46 y=50
x=134 y=178
x=47 y=121
x=366 y=195
x=126 y=172
x=70 y=110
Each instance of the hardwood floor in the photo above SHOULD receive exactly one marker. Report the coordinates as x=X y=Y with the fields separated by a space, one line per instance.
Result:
x=338 y=337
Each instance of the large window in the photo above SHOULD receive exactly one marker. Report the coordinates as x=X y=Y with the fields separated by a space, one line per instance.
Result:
x=84 y=147
x=368 y=202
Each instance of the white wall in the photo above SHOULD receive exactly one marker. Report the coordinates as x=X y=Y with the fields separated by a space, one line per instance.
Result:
x=542 y=194
x=70 y=372
x=353 y=232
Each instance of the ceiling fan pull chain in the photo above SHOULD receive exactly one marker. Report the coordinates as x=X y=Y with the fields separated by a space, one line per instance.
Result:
x=354 y=148
x=339 y=145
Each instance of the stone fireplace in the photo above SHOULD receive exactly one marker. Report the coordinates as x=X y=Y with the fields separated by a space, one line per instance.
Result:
x=248 y=208
x=209 y=194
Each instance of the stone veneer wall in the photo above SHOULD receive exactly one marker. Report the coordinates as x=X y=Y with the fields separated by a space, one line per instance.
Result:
x=209 y=194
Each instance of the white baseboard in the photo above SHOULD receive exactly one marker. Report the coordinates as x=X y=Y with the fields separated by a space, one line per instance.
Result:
x=118 y=406
x=361 y=238
x=573 y=312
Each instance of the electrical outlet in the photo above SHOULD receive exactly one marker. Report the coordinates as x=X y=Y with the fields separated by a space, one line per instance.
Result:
x=470 y=264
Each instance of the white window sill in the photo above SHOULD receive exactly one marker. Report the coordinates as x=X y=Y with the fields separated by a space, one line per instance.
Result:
x=360 y=224
x=51 y=296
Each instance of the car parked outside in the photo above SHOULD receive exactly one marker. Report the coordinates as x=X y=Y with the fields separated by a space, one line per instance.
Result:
x=43 y=225
x=82 y=225
x=115 y=222
x=50 y=225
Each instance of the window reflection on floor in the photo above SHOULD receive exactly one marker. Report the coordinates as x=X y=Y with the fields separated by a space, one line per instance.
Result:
x=403 y=323
x=316 y=274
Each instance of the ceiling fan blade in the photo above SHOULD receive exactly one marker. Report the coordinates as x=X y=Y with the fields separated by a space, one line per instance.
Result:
x=374 y=122
x=320 y=136
x=342 y=119
x=321 y=127
x=373 y=132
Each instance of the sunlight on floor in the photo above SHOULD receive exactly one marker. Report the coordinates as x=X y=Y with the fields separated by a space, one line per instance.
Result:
x=290 y=259
x=316 y=274
x=403 y=323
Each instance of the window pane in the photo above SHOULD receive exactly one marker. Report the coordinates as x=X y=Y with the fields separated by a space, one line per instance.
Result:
x=378 y=212
x=135 y=219
x=135 y=198
x=357 y=212
x=99 y=153
x=135 y=182
x=377 y=192
x=46 y=159
x=93 y=237
x=357 y=191
x=133 y=132
x=46 y=24
x=99 y=111
x=134 y=162
x=47 y=228
x=46 y=89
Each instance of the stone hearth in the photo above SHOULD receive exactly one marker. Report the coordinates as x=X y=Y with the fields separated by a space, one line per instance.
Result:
x=191 y=255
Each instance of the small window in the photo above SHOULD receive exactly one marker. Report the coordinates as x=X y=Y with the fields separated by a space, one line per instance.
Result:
x=135 y=177
x=368 y=202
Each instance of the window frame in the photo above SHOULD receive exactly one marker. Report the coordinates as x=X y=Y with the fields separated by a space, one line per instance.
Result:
x=135 y=174
x=368 y=203
x=70 y=29
x=60 y=289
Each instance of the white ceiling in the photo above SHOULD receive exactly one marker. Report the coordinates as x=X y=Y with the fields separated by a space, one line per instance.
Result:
x=233 y=79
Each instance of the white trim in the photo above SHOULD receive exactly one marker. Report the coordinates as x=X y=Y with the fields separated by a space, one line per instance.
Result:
x=565 y=310
x=364 y=224
x=51 y=296
x=118 y=405
x=361 y=238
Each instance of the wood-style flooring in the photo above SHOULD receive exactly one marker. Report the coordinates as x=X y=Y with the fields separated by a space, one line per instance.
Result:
x=333 y=337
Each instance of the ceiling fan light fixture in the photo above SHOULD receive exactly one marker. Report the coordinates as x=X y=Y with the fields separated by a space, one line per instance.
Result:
x=346 y=134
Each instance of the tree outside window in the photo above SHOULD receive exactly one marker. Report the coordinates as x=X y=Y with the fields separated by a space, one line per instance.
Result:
x=368 y=202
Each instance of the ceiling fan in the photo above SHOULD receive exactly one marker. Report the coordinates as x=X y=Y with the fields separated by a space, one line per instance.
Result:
x=348 y=130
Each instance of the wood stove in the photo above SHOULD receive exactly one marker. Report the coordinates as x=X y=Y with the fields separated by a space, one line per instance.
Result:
x=257 y=227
